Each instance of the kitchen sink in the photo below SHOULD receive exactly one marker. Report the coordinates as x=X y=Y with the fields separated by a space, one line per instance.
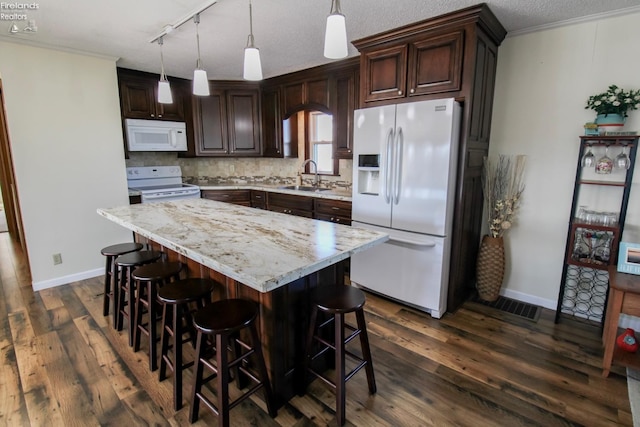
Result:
x=302 y=188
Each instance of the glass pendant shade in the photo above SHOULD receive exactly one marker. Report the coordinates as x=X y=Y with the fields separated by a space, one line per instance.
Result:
x=335 y=37
x=252 y=64
x=200 y=82
x=164 y=92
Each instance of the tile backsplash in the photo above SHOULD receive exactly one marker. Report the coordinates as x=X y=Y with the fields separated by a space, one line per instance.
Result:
x=241 y=169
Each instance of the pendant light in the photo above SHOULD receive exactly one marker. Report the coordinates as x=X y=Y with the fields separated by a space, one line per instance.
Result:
x=200 y=80
x=252 y=64
x=335 y=36
x=164 y=89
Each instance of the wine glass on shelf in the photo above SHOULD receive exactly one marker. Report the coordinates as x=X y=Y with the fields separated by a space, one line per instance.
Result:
x=622 y=160
x=604 y=164
x=588 y=160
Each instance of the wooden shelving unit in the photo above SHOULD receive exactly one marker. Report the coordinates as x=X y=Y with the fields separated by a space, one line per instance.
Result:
x=585 y=279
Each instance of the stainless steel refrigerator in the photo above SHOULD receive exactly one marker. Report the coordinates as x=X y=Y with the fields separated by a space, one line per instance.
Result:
x=404 y=176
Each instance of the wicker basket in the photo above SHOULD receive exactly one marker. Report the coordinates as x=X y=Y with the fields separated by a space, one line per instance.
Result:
x=490 y=272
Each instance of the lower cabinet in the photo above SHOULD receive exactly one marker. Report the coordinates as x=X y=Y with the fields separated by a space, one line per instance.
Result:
x=237 y=197
x=258 y=199
x=337 y=211
x=290 y=204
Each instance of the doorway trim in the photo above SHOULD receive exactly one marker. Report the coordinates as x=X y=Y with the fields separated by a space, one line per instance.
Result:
x=8 y=182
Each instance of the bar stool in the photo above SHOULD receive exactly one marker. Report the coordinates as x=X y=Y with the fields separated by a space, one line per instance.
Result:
x=223 y=319
x=148 y=278
x=111 y=275
x=337 y=301
x=176 y=298
x=127 y=263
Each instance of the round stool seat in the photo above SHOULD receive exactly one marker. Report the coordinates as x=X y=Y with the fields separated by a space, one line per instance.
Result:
x=184 y=291
x=138 y=258
x=121 y=249
x=157 y=270
x=226 y=316
x=340 y=299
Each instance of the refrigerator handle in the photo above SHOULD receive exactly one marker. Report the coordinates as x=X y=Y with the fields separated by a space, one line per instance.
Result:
x=387 y=183
x=412 y=242
x=398 y=166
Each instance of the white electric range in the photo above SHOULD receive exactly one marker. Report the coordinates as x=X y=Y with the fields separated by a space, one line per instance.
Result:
x=160 y=183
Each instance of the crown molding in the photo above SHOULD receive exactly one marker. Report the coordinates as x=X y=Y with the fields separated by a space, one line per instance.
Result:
x=573 y=21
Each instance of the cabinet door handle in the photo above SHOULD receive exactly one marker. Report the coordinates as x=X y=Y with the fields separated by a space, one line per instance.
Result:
x=159 y=115
x=337 y=219
x=399 y=92
x=412 y=91
x=335 y=208
x=153 y=115
x=258 y=197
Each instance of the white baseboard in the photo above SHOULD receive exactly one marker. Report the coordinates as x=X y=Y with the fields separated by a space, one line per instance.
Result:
x=519 y=296
x=65 y=280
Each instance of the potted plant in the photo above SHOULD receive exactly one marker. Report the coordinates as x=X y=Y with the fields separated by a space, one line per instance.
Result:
x=611 y=106
x=502 y=185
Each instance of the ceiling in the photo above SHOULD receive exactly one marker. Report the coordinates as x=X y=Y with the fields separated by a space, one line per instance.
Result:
x=289 y=33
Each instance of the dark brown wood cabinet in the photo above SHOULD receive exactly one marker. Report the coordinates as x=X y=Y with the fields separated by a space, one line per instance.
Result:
x=338 y=211
x=227 y=122
x=428 y=64
x=310 y=93
x=138 y=95
x=290 y=204
x=452 y=55
x=346 y=101
x=258 y=199
x=272 y=142
x=237 y=197
x=331 y=88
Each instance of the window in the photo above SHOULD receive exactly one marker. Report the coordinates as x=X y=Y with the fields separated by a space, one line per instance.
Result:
x=321 y=141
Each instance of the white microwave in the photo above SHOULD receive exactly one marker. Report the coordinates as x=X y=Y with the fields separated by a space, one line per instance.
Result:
x=156 y=135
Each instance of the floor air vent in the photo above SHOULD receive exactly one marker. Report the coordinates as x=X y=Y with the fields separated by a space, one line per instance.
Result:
x=508 y=305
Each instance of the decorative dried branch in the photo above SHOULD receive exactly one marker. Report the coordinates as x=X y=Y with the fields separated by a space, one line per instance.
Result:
x=503 y=185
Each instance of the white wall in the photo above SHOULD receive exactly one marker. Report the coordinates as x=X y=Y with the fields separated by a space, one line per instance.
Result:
x=542 y=84
x=64 y=125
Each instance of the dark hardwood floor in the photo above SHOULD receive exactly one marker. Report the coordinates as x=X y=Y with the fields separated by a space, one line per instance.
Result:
x=64 y=365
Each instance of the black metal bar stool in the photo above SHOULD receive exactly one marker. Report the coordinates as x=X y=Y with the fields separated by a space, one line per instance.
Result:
x=176 y=320
x=224 y=319
x=148 y=278
x=337 y=301
x=127 y=263
x=111 y=275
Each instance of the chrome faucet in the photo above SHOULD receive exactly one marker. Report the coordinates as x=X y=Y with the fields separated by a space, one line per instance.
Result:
x=317 y=178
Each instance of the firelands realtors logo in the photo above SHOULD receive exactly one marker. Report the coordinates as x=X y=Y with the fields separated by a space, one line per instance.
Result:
x=16 y=11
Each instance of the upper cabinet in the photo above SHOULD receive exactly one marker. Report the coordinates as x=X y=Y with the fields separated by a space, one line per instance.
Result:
x=138 y=95
x=227 y=122
x=426 y=65
x=311 y=93
x=331 y=89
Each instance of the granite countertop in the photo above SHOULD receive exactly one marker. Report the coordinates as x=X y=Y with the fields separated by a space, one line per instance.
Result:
x=335 y=194
x=261 y=249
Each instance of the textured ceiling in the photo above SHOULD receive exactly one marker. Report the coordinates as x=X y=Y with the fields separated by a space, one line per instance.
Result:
x=289 y=33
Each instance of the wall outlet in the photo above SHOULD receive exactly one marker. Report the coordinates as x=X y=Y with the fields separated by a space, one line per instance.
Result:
x=57 y=259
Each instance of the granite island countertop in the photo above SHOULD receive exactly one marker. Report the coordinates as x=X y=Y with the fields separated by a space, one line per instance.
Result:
x=261 y=249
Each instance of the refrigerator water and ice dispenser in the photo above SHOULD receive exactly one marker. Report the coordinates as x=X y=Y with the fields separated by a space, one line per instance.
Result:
x=369 y=174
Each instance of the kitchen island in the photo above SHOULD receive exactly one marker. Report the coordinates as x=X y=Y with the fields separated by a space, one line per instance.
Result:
x=274 y=259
